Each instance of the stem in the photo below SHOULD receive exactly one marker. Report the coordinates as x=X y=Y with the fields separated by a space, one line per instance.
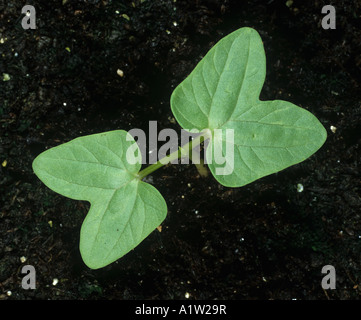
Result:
x=184 y=151
x=201 y=168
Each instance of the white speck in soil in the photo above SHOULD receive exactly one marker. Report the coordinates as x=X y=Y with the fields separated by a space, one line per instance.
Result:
x=299 y=187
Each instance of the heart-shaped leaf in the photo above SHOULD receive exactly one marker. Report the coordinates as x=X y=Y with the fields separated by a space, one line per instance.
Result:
x=222 y=94
x=124 y=210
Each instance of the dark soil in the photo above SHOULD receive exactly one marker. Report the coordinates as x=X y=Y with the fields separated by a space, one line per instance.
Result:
x=262 y=241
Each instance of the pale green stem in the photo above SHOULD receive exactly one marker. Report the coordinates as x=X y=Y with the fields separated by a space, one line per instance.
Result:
x=184 y=151
x=201 y=168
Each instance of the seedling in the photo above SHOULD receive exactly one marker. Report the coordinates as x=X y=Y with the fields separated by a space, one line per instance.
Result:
x=221 y=93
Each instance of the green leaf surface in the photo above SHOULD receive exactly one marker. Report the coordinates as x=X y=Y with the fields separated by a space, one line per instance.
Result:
x=124 y=210
x=222 y=92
